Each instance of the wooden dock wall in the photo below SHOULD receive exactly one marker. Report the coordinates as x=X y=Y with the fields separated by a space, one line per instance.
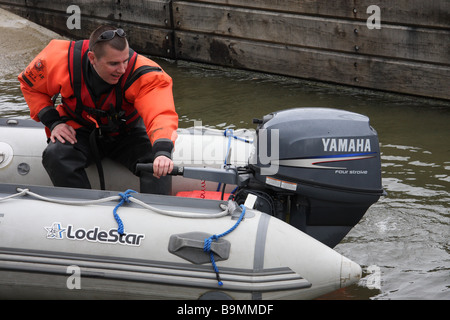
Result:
x=324 y=40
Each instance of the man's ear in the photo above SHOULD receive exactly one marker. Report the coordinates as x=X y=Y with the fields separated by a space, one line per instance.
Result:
x=91 y=57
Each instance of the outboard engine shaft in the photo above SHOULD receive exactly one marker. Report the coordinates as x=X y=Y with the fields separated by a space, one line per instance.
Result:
x=320 y=165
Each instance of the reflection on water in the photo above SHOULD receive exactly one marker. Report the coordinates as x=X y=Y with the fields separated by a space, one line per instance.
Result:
x=12 y=103
x=406 y=234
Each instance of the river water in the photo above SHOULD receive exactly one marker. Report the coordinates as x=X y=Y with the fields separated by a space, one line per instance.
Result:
x=402 y=243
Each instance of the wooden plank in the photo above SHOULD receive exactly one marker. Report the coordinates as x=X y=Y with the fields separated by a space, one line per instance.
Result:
x=156 y=13
x=13 y=2
x=144 y=39
x=150 y=41
x=432 y=13
x=148 y=12
x=349 y=69
x=340 y=8
x=428 y=45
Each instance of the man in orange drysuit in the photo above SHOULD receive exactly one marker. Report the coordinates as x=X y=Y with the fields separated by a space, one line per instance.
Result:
x=107 y=91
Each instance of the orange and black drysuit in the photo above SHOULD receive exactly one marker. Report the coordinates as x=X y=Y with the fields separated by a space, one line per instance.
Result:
x=143 y=92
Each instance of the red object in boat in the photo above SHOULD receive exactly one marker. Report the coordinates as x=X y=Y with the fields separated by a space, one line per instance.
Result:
x=212 y=195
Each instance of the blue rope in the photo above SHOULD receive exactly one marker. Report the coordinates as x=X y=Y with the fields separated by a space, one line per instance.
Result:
x=208 y=242
x=229 y=133
x=125 y=198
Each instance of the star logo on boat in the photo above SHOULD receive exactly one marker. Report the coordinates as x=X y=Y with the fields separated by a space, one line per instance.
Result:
x=55 y=231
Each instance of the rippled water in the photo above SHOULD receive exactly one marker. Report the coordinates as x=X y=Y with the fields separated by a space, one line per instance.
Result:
x=402 y=242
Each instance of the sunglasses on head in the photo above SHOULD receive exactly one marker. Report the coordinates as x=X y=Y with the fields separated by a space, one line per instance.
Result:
x=109 y=35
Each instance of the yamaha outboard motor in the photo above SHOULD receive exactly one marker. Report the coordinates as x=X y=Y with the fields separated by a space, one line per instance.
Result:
x=318 y=169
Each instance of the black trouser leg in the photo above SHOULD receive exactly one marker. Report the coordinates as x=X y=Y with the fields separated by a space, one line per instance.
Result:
x=135 y=147
x=65 y=164
x=151 y=184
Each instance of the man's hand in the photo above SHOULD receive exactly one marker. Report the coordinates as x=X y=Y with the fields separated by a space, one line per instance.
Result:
x=63 y=132
x=162 y=166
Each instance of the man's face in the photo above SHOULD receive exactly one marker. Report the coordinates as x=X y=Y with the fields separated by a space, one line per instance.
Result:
x=112 y=65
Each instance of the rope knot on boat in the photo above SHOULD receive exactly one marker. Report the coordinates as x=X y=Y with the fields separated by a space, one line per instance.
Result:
x=214 y=237
x=124 y=197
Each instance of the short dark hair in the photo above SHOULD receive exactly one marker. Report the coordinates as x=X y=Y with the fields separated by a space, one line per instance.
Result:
x=118 y=43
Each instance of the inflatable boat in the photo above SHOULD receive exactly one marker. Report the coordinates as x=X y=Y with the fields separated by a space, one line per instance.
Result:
x=253 y=214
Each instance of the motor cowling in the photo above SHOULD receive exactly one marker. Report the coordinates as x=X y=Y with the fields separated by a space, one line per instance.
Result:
x=326 y=160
